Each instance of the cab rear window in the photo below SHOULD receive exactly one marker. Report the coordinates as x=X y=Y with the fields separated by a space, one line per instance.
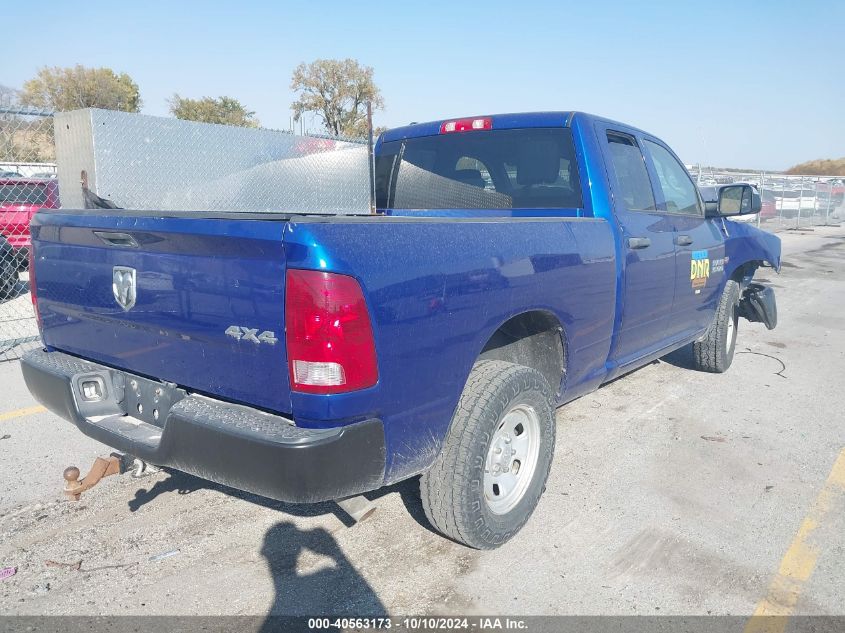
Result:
x=529 y=168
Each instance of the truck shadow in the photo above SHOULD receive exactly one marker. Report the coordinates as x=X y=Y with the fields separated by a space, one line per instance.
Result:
x=183 y=484
x=681 y=358
x=311 y=575
x=409 y=493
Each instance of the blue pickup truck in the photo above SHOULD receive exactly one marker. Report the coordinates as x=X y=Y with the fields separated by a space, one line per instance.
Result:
x=514 y=263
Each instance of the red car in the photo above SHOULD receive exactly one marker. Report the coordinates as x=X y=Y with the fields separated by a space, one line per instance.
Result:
x=769 y=205
x=20 y=198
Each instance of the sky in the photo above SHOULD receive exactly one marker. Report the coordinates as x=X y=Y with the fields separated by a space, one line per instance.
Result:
x=734 y=84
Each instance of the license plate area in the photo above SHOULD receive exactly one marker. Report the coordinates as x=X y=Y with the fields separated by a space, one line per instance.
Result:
x=149 y=400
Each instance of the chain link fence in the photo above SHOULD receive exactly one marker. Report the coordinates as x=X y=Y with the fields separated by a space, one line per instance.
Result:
x=27 y=182
x=789 y=202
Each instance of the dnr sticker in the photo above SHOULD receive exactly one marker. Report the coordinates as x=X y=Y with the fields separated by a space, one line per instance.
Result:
x=699 y=270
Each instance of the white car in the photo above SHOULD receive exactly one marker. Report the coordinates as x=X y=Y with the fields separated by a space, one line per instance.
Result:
x=796 y=200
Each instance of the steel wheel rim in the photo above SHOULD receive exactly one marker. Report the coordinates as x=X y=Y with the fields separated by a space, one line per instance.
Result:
x=511 y=459
x=731 y=334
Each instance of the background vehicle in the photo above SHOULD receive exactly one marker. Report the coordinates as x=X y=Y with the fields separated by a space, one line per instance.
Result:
x=518 y=262
x=8 y=270
x=768 y=205
x=789 y=200
x=20 y=198
x=837 y=192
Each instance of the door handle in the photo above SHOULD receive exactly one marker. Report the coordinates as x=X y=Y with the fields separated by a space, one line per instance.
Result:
x=639 y=242
x=116 y=239
x=683 y=240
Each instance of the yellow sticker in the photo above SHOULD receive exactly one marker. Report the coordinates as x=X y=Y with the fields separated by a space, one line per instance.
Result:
x=699 y=269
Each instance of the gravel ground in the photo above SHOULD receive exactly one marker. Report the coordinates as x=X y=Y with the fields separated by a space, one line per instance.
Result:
x=672 y=492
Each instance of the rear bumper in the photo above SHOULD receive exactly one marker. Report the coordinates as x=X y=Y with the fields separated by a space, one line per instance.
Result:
x=226 y=443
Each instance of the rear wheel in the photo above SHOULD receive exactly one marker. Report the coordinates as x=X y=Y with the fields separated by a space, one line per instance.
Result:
x=715 y=352
x=496 y=457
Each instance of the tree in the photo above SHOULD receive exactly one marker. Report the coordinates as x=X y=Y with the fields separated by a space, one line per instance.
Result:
x=820 y=167
x=25 y=139
x=222 y=110
x=338 y=92
x=8 y=96
x=80 y=87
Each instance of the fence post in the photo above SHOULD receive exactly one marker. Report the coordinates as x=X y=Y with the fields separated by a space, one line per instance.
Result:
x=800 y=195
x=829 y=198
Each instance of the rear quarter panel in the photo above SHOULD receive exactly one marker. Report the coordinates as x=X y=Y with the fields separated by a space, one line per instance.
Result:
x=437 y=290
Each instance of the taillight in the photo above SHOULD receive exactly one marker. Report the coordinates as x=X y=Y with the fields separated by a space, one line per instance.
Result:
x=330 y=342
x=466 y=125
x=32 y=294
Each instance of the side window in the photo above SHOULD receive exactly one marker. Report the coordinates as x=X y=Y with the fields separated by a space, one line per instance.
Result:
x=678 y=189
x=633 y=186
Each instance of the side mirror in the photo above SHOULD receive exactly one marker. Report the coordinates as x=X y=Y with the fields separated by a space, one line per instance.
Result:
x=736 y=200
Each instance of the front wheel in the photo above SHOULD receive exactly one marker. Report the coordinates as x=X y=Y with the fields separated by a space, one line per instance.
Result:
x=496 y=458
x=715 y=352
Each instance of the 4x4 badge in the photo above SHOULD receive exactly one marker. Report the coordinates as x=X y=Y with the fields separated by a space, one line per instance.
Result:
x=240 y=333
x=124 y=286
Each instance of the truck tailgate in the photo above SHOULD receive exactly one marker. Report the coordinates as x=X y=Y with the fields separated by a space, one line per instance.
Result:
x=208 y=309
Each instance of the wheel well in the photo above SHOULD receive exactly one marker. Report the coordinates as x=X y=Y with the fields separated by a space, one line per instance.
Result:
x=533 y=339
x=745 y=272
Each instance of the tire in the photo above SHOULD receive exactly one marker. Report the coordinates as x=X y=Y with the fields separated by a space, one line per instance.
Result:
x=715 y=352
x=506 y=407
x=8 y=279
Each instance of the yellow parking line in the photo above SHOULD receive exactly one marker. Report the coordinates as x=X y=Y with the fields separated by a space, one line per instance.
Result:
x=796 y=567
x=19 y=413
